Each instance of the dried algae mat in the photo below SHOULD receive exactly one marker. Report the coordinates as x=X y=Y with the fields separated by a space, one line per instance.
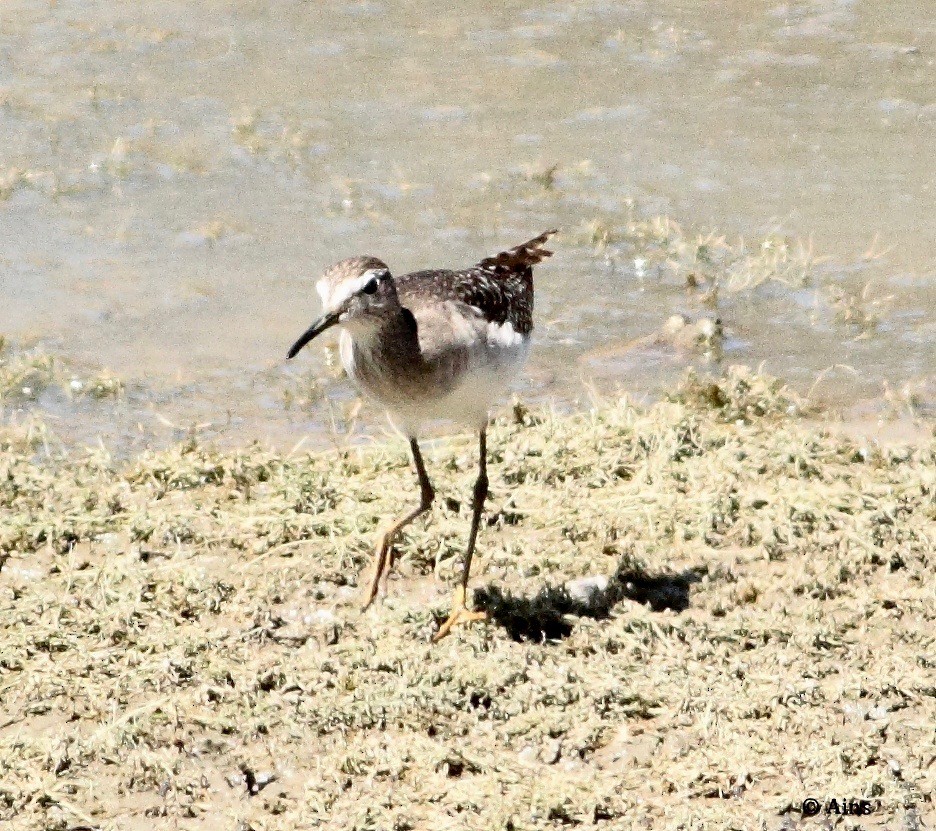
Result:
x=180 y=645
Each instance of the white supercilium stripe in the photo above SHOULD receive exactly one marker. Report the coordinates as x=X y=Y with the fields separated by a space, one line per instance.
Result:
x=334 y=296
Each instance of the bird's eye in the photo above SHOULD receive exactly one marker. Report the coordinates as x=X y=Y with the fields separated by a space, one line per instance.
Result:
x=370 y=287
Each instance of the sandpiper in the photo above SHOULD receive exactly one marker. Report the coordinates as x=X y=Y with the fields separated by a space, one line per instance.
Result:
x=430 y=345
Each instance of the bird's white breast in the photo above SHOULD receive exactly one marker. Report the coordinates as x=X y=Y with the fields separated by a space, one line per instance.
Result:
x=496 y=353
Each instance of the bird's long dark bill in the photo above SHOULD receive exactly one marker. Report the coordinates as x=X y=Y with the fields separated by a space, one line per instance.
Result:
x=320 y=325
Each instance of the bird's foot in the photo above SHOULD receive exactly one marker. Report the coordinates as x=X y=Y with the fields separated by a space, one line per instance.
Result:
x=460 y=615
x=383 y=563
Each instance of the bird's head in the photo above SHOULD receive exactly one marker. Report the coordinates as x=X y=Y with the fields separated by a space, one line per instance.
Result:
x=357 y=293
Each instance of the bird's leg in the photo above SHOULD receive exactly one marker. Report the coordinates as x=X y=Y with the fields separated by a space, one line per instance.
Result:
x=460 y=613
x=383 y=557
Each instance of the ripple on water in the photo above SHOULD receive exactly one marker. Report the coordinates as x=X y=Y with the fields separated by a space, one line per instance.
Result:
x=172 y=181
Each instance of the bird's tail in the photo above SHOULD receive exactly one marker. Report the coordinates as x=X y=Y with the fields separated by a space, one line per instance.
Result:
x=519 y=259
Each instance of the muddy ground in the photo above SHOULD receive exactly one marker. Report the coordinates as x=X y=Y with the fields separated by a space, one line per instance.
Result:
x=181 y=645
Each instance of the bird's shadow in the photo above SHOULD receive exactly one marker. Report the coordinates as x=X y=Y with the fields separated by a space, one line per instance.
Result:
x=544 y=616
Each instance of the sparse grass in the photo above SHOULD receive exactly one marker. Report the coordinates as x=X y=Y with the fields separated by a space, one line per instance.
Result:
x=10 y=179
x=189 y=154
x=860 y=309
x=180 y=645
x=101 y=386
x=186 y=154
x=543 y=175
x=532 y=179
x=660 y=246
x=713 y=264
x=25 y=374
x=215 y=230
x=910 y=398
x=280 y=139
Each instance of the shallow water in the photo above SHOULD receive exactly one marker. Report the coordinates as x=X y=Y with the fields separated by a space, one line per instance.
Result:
x=174 y=176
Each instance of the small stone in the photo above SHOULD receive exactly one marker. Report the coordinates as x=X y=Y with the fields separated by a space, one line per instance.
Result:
x=585 y=588
x=528 y=757
x=551 y=751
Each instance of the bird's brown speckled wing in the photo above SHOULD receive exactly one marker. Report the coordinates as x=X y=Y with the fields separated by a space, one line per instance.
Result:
x=500 y=287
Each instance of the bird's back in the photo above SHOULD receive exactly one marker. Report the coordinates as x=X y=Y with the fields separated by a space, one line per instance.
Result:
x=499 y=288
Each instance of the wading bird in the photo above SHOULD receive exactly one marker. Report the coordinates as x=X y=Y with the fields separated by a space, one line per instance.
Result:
x=430 y=345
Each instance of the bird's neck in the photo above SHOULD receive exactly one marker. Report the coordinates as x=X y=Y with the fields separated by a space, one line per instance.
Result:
x=392 y=334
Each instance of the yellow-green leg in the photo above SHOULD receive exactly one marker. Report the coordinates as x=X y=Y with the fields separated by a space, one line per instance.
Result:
x=384 y=556
x=460 y=613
